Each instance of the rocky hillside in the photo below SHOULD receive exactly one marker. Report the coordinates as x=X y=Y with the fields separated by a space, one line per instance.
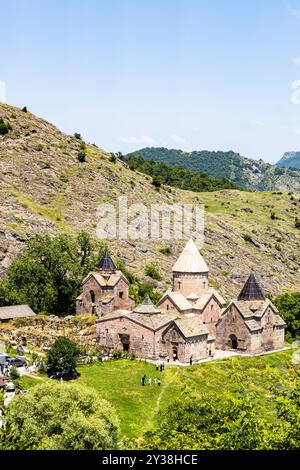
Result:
x=290 y=160
x=255 y=175
x=44 y=188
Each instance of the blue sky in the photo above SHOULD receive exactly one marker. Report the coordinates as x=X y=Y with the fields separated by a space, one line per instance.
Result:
x=190 y=74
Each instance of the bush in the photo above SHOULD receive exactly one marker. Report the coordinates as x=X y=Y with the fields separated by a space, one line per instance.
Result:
x=165 y=250
x=24 y=109
x=77 y=135
x=297 y=223
x=153 y=272
x=14 y=373
x=4 y=127
x=81 y=156
x=247 y=237
x=112 y=158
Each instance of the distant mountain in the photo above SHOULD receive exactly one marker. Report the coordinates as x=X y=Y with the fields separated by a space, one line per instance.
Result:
x=290 y=160
x=244 y=172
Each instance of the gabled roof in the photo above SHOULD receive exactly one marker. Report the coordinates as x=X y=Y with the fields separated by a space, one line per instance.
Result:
x=191 y=327
x=190 y=260
x=110 y=281
x=251 y=290
x=153 y=322
x=15 y=311
x=107 y=263
x=178 y=299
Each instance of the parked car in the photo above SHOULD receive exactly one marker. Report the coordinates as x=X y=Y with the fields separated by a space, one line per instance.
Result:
x=15 y=361
x=3 y=358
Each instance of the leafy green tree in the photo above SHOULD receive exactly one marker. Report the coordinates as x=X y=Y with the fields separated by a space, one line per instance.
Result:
x=208 y=422
x=56 y=416
x=48 y=275
x=289 y=308
x=62 y=358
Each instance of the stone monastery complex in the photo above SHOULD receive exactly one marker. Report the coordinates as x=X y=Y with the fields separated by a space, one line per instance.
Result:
x=189 y=321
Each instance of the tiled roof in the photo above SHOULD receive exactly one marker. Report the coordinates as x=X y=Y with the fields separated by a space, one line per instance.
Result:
x=154 y=321
x=251 y=290
x=253 y=325
x=190 y=260
x=107 y=262
x=280 y=321
x=110 y=281
x=191 y=327
x=15 y=311
x=146 y=307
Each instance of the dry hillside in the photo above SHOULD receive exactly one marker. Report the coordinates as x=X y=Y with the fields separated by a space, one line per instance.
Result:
x=44 y=188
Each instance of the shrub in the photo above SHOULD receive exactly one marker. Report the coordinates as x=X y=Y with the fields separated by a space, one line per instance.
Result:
x=77 y=135
x=81 y=156
x=24 y=109
x=297 y=223
x=165 y=250
x=14 y=373
x=153 y=272
x=112 y=158
x=4 y=127
x=247 y=237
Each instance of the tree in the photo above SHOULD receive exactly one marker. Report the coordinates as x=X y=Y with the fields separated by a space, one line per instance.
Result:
x=208 y=422
x=62 y=358
x=289 y=308
x=48 y=275
x=56 y=416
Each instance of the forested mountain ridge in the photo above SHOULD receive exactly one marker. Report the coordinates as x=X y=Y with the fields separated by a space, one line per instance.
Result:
x=243 y=172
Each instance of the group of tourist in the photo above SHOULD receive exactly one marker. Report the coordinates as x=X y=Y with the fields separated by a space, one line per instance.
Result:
x=148 y=381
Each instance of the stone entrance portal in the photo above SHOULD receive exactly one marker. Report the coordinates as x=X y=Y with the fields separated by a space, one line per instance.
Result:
x=233 y=342
x=125 y=340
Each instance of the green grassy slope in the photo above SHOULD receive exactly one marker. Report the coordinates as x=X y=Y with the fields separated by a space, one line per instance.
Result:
x=119 y=382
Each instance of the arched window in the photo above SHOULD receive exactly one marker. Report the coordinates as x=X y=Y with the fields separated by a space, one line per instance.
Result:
x=92 y=294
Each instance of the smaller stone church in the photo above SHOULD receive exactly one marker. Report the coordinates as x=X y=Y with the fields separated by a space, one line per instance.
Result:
x=190 y=320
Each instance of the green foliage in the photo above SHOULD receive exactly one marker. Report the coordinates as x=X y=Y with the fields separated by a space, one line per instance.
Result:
x=225 y=167
x=165 y=250
x=113 y=158
x=4 y=127
x=25 y=109
x=14 y=373
x=77 y=135
x=48 y=275
x=81 y=156
x=247 y=237
x=57 y=416
x=208 y=422
x=297 y=223
x=152 y=271
x=62 y=357
x=182 y=178
x=289 y=308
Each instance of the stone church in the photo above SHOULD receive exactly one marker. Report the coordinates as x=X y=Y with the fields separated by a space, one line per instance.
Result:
x=189 y=321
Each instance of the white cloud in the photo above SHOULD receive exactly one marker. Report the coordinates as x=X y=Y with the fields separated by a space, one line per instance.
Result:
x=296 y=61
x=177 y=139
x=148 y=140
x=260 y=123
x=297 y=131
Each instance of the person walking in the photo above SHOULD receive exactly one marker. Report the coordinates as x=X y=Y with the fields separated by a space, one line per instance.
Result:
x=158 y=382
x=191 y=360
x=161 y=368
x=149 y=381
